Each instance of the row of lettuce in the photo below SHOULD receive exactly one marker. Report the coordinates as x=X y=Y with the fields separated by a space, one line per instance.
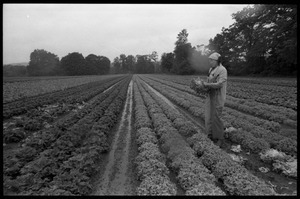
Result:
x=273 y=95
x=71 y=95
x=34 y=86
x=37 y=116
x=36 y=78
x=150 y=163
x=63 y=159
x=269 y=112
x=254 y=90
x=197 y=163
x=254 y=134
x=287 y=82
x=264 y=111
x=284 y=82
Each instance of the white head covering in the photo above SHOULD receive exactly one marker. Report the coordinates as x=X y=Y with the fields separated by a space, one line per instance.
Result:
x=214 y=56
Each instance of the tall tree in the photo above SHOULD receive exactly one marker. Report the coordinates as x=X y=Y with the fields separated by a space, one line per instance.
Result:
x=42 y=63
x=248 y=28
x=130 y=62
x=104 y=65
x=167 y=61
x=261 y=40
x=117 y=65
x=97 y=65
x=228 y=44
x=182 y=52
x=144 y=64
x=154 y=57
x=74 y=64
x=124 y=67
x=92 y=63
x=182 y=38
x=280 y=22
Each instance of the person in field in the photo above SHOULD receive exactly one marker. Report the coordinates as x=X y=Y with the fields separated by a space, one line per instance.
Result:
x=214 y=104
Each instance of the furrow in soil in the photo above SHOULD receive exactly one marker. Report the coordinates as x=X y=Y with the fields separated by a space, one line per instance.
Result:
x=116 y=179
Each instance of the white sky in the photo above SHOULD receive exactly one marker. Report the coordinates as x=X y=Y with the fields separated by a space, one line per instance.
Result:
x=108 y=29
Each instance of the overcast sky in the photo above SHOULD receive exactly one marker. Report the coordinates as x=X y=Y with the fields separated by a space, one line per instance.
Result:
x=108 y=29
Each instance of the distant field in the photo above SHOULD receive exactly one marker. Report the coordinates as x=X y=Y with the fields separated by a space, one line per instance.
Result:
x=20 y=79
x=15 y=88
x=144 y=135
x=36 y=78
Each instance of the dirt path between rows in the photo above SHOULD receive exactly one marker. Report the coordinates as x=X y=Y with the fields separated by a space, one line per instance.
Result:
x=117 y=178
x=282 y=184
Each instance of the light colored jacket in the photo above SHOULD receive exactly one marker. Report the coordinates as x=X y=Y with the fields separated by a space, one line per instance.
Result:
x=217 y=82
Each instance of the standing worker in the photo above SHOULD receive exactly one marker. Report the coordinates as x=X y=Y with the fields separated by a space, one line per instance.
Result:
x=214 y=104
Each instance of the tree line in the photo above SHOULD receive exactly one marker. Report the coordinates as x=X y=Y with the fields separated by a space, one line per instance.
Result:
x=14 y=70
x=136 y=64
x=44 y=63
x=261 y=41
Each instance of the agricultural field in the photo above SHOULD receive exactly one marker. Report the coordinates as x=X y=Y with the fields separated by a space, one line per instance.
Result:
x=144 y=135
